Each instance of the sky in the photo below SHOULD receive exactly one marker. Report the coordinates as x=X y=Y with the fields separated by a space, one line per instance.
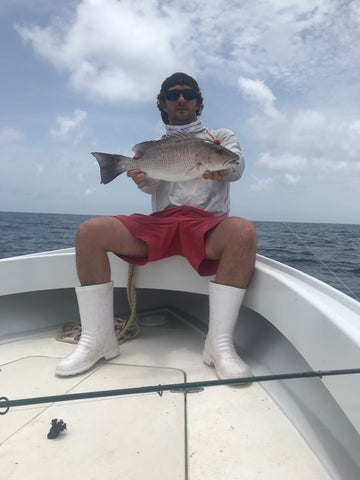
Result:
x=81 y=76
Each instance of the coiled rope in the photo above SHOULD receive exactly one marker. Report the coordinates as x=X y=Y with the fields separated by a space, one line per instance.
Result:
x=125 y=329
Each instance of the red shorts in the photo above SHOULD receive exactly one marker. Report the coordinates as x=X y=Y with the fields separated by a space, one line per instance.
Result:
x=174 y=231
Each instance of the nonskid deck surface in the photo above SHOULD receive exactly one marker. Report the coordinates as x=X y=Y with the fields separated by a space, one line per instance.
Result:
x=219 y=433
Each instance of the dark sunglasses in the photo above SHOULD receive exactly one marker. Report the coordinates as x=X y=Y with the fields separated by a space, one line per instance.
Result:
x=187 y=93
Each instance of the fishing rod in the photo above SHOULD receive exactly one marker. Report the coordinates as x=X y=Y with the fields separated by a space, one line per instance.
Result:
x=186 y=387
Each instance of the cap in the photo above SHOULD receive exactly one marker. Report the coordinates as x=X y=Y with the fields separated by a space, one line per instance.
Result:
x=179 y=79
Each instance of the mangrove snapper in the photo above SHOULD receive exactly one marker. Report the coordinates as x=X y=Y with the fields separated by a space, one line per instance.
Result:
x=176 y=158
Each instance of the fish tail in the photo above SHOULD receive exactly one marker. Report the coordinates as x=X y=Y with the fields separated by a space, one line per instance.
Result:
x=111 y=165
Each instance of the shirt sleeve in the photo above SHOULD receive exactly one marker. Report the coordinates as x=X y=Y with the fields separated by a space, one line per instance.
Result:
x=229 y=140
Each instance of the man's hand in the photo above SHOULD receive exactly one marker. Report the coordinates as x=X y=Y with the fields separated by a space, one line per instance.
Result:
x=218 y=176
x=137 y=176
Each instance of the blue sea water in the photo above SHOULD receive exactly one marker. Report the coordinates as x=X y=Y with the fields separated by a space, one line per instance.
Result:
x=329 y=252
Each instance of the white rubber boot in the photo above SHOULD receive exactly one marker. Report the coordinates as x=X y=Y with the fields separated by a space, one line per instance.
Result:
x=219 y=350
x=98 y=338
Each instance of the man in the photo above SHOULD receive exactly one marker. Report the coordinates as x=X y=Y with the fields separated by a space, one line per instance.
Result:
x=188 y=220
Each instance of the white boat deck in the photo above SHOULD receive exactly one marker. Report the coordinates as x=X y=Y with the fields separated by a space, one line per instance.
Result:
x=221 y=433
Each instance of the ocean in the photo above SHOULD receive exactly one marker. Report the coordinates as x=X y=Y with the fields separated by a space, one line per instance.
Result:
x=329 y=252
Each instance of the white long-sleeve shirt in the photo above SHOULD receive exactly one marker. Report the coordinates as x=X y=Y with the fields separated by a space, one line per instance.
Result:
x=210 y=195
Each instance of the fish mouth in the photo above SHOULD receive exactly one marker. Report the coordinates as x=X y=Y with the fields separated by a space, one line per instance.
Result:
x=232 y=161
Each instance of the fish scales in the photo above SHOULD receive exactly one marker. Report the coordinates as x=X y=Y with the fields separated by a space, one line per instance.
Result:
x=177 y=158
x=172 y=155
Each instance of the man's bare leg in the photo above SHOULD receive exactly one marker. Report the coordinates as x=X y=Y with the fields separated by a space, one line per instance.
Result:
x=233 y=243
x=94 y=239
x=98 y=340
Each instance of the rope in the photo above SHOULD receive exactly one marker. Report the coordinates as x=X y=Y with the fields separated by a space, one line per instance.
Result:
x=128 y=329
x=125 y=329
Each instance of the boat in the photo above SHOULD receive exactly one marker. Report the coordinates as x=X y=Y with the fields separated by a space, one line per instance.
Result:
x=157 y=410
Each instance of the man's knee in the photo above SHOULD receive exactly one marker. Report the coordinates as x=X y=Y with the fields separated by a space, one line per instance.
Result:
x=234 y=235
x=89 y=230
x=242 y=231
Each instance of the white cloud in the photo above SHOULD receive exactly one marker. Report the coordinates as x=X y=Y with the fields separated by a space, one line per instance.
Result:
x=39 y=169
x=114 y=50
x=301 y=141
x=291 y=179
x=258 y=91
x=10 y=135
x=336 y=165
x=120 y=50
x=69 y=128
x=285 y=162
x=261 y=184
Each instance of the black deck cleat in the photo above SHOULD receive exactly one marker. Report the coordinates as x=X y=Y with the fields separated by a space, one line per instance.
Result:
x=56 y=428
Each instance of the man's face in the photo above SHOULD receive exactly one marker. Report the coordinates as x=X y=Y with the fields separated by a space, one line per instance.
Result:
x=180 y=111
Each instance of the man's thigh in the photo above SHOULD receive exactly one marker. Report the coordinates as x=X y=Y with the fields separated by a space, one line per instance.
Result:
x=112 y=235
x=226 y=234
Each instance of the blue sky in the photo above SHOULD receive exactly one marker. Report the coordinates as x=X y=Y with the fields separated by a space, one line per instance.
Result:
x=284 y=75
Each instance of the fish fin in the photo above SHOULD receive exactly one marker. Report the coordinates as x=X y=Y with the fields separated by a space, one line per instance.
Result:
x=193 y=169
x=178 y=136
x=110 y=165
x=141 y=148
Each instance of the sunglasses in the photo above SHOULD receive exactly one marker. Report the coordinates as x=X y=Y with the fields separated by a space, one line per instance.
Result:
x=187 y=93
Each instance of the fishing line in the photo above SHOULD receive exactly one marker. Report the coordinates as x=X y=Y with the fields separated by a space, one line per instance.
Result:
x=174 y=388
x=322 y=262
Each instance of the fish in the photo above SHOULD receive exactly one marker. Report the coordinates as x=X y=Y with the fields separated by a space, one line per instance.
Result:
x=177 y=158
